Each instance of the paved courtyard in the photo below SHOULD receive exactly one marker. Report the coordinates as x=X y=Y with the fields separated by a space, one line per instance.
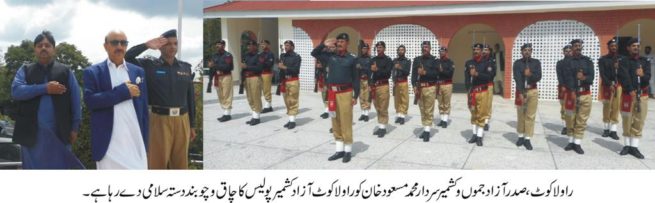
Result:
x=235 y=145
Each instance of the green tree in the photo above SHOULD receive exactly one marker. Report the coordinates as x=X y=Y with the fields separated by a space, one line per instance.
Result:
x=211 y=34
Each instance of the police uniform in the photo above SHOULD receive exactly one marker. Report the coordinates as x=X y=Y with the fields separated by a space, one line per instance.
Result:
x=478 y=86
x=267 y=78
x=491 y=68
x=223 y=66
x=426 y=89
x=634 y=108
x=610 y=91
x=363 y=64
x=578 y=100
x=320 y=76
x=290 y=84
x=252 y=73
x=343 y=88
x=400 y=86
x=445 y=69
x=380 y=88
x=561 y=88
x=527 y=96
x=172 y=108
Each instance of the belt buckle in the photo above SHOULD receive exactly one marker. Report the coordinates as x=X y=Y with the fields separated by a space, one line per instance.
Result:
x=174 y=111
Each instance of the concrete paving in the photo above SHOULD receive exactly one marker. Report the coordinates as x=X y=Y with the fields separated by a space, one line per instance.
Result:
x=235 y=145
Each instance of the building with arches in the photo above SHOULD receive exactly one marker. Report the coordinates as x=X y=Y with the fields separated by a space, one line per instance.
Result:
x=456 y=25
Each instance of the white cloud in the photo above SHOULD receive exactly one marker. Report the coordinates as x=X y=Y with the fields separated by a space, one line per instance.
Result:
x=85 y=24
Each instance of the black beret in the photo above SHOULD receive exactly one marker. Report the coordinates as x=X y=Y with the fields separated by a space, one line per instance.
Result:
x=364 y=45
x=611 y=41
x=343 y=36
x=577 y=41
x=443 y=49
x=526 y=45
x=632 y=41
x=266 y=41
x=486 y=46
x=426 y=43
x=477 y=45
x=170 y=33
x=221 y=42
x=402 y=46
x=381 y=43
x=568 y=46
x=251 y=42
x=289 y=42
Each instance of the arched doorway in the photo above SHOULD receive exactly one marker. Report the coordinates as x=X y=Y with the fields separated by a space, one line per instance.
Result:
x=352 y=33
x=459 y=50
x=409 y=35
x=303 y=46
x=548 y=38
x=647 y=28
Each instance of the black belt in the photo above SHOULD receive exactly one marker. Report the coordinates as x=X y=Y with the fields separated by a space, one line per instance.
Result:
x=583 y=88
x=168 y=111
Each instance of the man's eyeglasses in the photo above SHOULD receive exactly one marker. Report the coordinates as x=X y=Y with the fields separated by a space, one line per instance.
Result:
x=116 y=42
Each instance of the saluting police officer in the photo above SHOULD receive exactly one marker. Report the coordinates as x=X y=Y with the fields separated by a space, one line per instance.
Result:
x=401 y=69
x=252 y=70
x=578 y=76
x=561 y=87
x=290 y=63
x=635 y=97
x=341 y=81
x=527 y=72
x=491 y=68
x=267 y=74
x=424 y=80
x=381 y=70
x=364 y=67
x=477 y=76
x=222 y=65
x=610 y=89
x=446 y=69
x=171 y=100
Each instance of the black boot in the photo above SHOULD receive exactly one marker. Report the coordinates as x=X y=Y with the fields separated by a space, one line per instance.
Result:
x=569 y=147
x=613 y=135
x=253 y=122
x=636 y=153
x=479 y=142
x=445 y=124
x=520 y=141
x=425 y=136
x=225 y=118
x=325 y=115
x=286 y=125
x=527 y=144
x=605 y=133
x=330 y=130
x=266 y=110
x=564 y=131
x=336 y=156
x=402 y=121
x=381 y=133
x=365 y=118
x=376 y=132
x=397 y=120
x=346 y=157
x=473 y=139
x=578 y=149
x=361 y=118
x=486 y=127
x=292 y=125
x=625 y=151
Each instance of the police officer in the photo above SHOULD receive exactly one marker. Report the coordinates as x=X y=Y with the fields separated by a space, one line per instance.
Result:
x=578 y=76
x=400 y=71
x=611 y=89
x=491 y=68
x=343 y=90
x=267 y=74
x=321 y=76
x=477 y=77
x=364 y=67
x=171 y=100
x=635 y=97
x=221 y=65
x=290 y=64
x=381 y=72
x=561 y=87
x=424 y=80
x=446 y=69
x=527 y=72
x=252 y=70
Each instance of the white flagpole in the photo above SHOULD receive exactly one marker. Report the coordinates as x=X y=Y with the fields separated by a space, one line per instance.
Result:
x=180 y=8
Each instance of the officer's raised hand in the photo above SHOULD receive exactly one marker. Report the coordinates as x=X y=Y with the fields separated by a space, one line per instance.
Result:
x=156 y=43
x=330 y=41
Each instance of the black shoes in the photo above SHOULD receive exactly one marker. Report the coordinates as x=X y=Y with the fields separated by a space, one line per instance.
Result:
x=569 y=147
x=400 y=120
x=224 y=118
x=524 y=142
x=397 y=120
x=361 y=118
x=330 y=130
x=478 y=142
x=632 y=151
x=253 y=122
x=605 y=133
x=613 y=135
x=336 y=156
x=473 y=139
x=426 y=136
x=380 y=132
x=266 y=110
x=290 y=125
x=564 y=131
x=578 y=149
x=443 y=124
x=520 y=141
x=486 y=127
x=325 y=115
x=346 y=157
x=625 y=151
